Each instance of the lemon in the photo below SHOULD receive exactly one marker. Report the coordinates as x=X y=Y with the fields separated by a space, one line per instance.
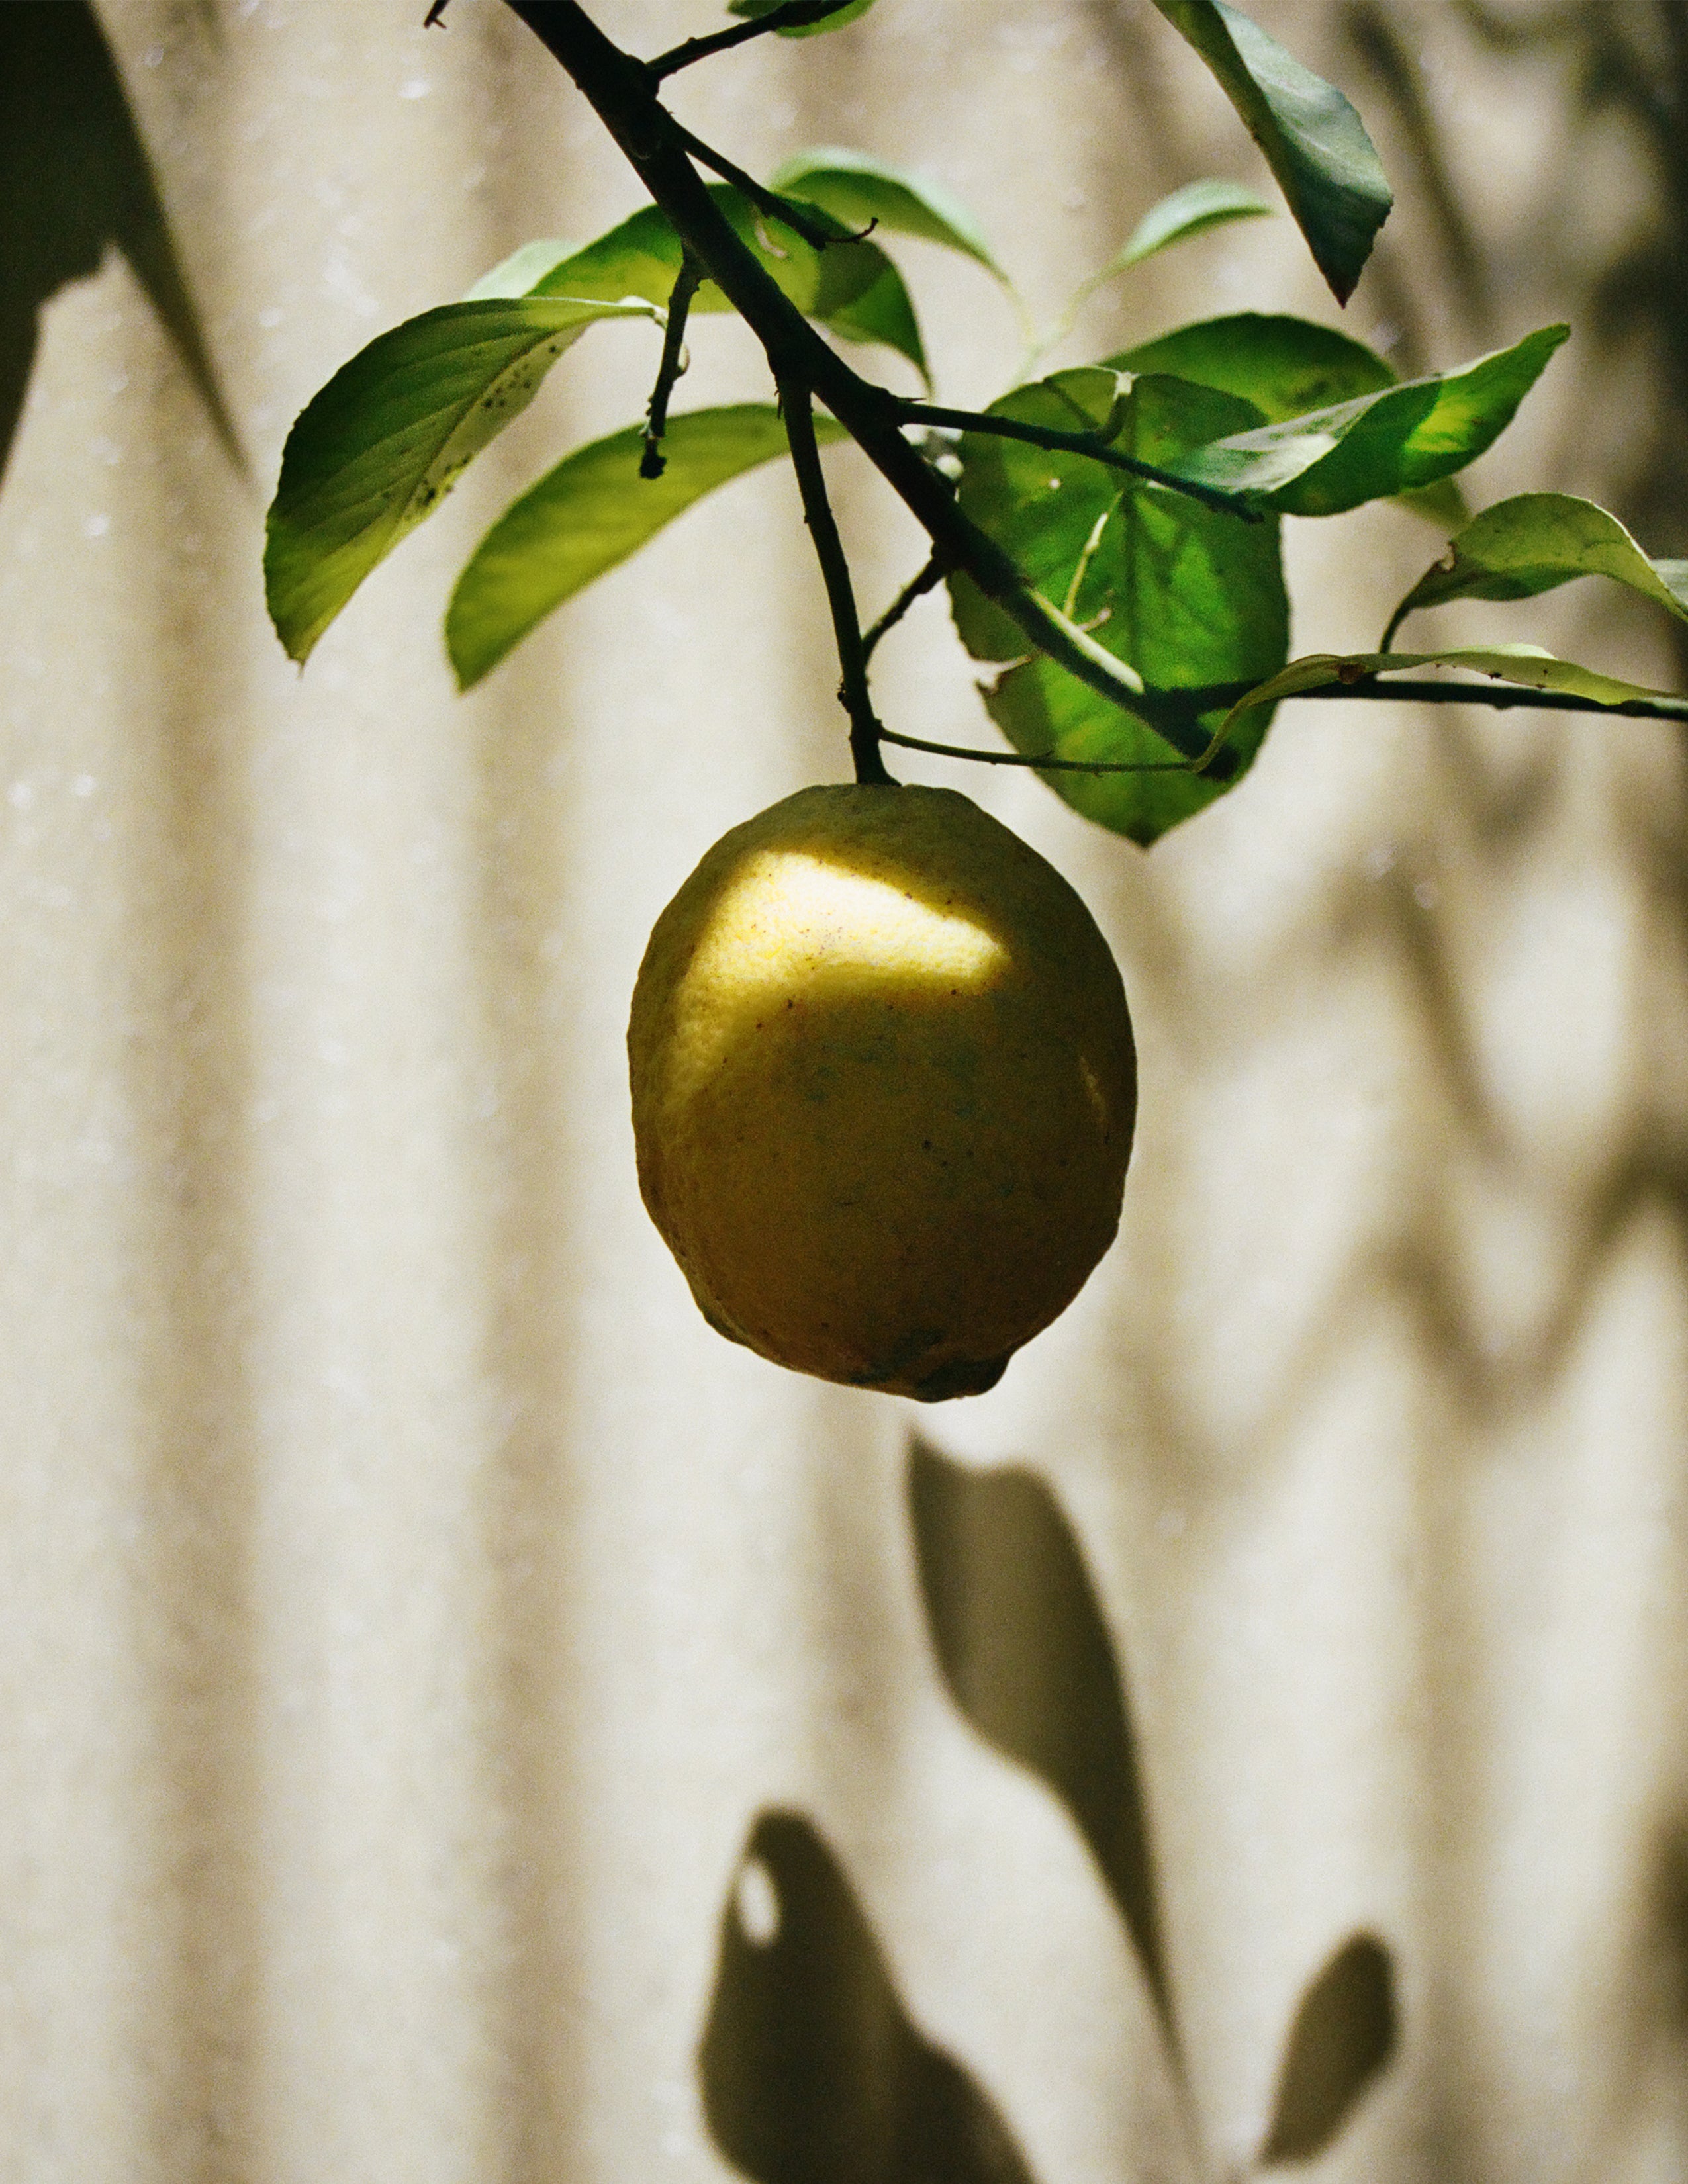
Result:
x=884 y=1088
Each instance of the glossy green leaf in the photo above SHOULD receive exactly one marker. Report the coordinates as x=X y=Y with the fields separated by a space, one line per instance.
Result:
x=592 y=510
x=849 y=14
x=1526 y=665
x=1189 y=211
x=1313 y=140
x=384 y=442
x=851 y=286
x=856 y=189
x=1187 y=595
x=1377 y=445
x=1523 y=547
x=1286 y=366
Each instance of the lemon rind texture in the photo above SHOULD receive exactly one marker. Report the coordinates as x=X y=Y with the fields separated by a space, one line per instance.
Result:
x=883 y=1089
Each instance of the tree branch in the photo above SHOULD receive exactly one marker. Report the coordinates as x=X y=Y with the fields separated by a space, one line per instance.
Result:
x=618 y=88
x=795 y=15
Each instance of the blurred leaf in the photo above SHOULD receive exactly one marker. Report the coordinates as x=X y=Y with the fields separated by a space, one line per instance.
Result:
x=812 y=2071
x=1378 y=444
x=590 y=512
x=1442 y=503
x=846 y=14
x=1025 y=1652
x=1191 y=210
x=1313 y=140
x=1187 y=595
x=1526 y=665
x=1523 y=547
x=522 y=271
x=377 y=449
x=856 y=188
x=853 y=287
x=1343 y=2037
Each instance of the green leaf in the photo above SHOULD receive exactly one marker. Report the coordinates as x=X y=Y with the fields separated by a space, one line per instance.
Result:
x=856 y=188
x=853 y=287
x=523 y=270
x=592 y=510
x=1191 y=210
x=378 y=448
x=1285 y=366
x=1379 y=444
x=1531 y=544
x=834 y=22
x=1442 y=503
x=1313 y=140
x=1187 y=595
x=1526 y=665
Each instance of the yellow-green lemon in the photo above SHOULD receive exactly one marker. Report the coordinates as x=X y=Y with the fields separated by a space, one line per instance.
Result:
x=884 y=1088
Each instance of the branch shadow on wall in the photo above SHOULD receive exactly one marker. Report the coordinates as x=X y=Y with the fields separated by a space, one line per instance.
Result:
x=74 y=177
x=812 y=2070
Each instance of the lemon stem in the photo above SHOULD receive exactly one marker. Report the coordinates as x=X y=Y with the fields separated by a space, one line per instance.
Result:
x=853 y=695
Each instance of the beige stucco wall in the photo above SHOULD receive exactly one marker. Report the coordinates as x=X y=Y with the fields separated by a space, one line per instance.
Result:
x=407 y=1605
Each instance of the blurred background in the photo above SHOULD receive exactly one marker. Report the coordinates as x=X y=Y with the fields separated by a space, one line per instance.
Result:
x=463 y=1723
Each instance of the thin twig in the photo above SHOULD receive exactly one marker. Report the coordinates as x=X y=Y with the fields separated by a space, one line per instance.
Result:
x=767 y=201
x=1077 y=443
x=1501 y=697
x=1504 y=697
x=435 y=18
x=795 y=15
x=916 y=588
x=686 y=282
x=854 y=694
x=1043 y=765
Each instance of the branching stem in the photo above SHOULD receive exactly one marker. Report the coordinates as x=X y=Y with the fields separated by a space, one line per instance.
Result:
x=622 y=90
x=619 y=90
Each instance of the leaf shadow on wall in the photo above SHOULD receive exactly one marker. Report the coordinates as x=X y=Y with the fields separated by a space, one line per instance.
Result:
x=74 y=177
x=1024 y=1649
x=812 y=2070
x=1024 y=1646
